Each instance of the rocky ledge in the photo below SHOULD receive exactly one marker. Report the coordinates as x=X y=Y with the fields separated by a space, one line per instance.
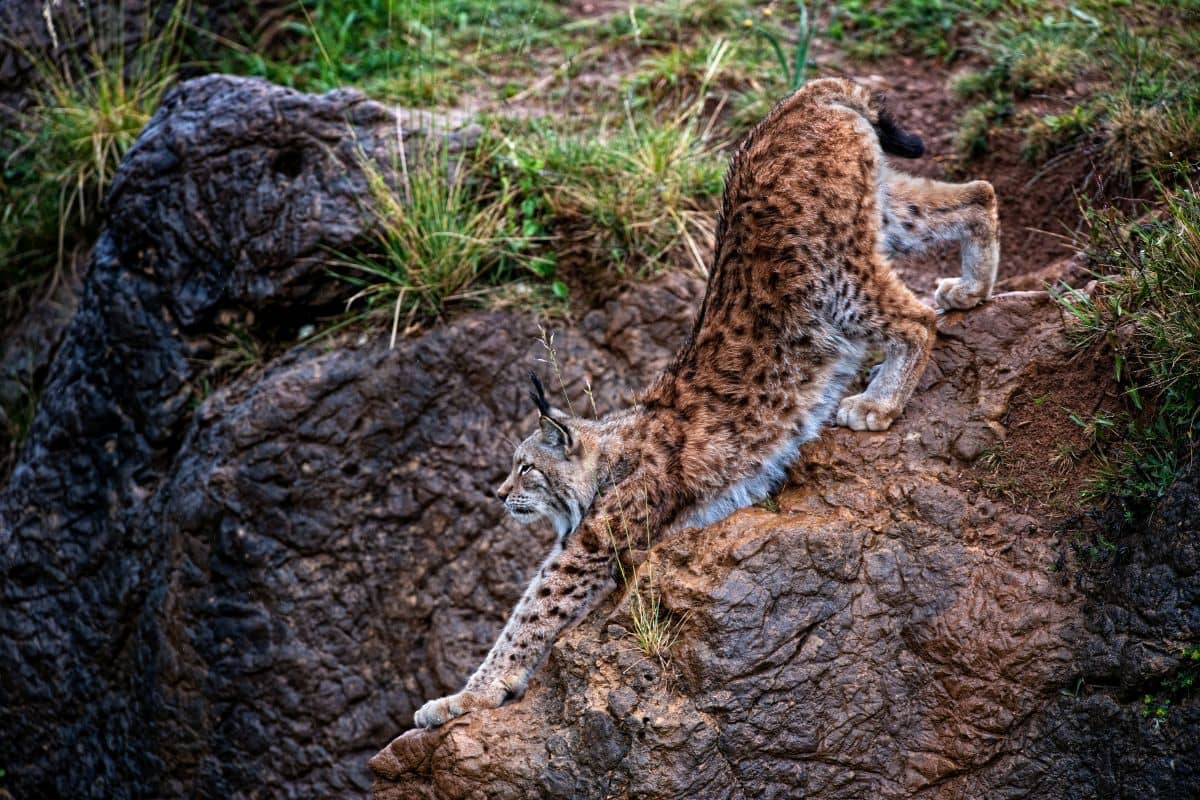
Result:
x=892 y=630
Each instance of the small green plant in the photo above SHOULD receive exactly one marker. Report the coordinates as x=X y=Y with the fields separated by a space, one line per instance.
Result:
x=1050 y=133
x=795 y=69
x=519 y=172
x=769 y=503
x=1177 y=686
x=1146 y=311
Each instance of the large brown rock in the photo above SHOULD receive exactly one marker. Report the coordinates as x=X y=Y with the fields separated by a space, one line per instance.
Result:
x=896 y=629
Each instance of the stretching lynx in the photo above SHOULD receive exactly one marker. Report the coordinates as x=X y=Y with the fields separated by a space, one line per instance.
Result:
x=800 y=286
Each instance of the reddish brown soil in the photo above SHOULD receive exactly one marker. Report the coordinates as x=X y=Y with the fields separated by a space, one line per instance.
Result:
x=1046 y=458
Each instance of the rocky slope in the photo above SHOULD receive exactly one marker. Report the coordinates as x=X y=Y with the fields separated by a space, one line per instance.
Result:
x=245 y=592
x=895 y=630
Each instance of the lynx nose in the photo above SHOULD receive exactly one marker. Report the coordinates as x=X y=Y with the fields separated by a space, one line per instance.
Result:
x=504 y=489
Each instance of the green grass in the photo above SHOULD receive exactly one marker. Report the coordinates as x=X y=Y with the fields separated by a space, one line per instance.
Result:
x=87 y=113
x=1146 y=311
x=1112 y=82
x=442 y=235
x=418 y=52
x=629 y=200
x=869 y=29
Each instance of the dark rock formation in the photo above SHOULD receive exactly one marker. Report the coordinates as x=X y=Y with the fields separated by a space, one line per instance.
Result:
x=117 y=684
x=244 y=594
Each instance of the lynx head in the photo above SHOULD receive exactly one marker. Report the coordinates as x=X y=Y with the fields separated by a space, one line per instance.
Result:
x=554 y=473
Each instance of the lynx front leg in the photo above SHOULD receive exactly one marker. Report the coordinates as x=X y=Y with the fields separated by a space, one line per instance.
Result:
x=570 y=582
x=920 y=212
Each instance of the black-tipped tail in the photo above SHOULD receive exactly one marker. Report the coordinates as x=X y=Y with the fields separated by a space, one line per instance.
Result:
x=895 y=140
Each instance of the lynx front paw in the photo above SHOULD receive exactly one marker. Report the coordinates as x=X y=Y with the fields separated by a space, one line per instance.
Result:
x=861 y=413
x=437 y=712
x=954 y=293
x=440 y=711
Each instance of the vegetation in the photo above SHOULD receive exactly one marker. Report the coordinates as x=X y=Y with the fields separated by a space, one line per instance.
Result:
x=872 y=30
x=439 y=234
x=654 y=628
x=421 y=52
x=87 y=112
x=1146 y=311
x=1180 y=684
x=602 y=155
x=1116 y=84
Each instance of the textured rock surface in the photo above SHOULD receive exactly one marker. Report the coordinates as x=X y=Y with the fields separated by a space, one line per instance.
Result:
x=119 y=682
x=245 y=594
x=893 y=631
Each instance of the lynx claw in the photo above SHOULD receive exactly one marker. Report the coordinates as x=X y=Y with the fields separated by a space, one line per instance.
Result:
x=860 y=413
x=953 y=293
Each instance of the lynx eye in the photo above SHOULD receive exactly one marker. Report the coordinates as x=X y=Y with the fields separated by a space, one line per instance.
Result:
x=524 y=468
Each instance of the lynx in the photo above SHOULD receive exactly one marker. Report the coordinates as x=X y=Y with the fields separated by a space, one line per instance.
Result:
x=799 y=288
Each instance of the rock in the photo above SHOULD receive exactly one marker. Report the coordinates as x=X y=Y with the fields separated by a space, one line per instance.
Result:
x=132 y=645
x=874 y=638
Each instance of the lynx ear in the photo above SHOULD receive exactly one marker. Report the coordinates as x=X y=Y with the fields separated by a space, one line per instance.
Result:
x=555 y=433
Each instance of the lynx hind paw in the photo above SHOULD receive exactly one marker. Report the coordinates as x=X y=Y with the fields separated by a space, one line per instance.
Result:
x=861 y=413
x=953 y=293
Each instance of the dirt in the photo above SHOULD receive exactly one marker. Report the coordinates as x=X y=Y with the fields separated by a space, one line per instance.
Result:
x=1046 y=458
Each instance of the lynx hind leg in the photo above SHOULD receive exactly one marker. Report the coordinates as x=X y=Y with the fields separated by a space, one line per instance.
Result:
x=920 y=212
x=905 y=328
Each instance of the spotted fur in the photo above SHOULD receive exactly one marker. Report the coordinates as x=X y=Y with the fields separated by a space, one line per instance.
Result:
x=800 y=287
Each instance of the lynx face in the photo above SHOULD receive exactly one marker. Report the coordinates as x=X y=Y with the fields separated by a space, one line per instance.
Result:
x=554 y=473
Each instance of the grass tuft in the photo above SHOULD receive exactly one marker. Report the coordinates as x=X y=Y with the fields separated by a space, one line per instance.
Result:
x=626 y=200
x=655 y=629
x=87 y=113
x=1147 y=312
x=442 y=234
x=1115 y=83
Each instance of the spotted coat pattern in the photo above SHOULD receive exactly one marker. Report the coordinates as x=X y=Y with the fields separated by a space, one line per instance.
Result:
x=799 y=289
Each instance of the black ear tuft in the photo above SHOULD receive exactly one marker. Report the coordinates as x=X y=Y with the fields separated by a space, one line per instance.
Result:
x=538 y=395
